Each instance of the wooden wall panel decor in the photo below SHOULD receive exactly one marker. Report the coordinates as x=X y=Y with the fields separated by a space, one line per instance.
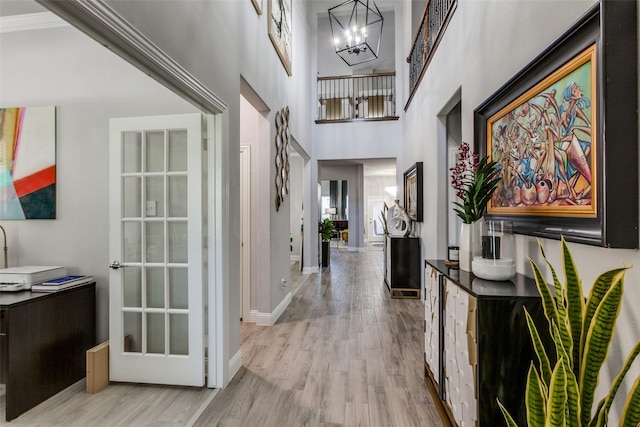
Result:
x=283 y=148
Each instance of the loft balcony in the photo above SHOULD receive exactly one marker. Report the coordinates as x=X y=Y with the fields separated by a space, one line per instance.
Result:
x=435 y=19
x=364 y=97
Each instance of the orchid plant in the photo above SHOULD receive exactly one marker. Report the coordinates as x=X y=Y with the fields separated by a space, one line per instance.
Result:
x=474 y=181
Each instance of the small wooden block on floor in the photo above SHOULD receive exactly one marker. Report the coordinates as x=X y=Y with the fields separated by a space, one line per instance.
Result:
x=98 y=367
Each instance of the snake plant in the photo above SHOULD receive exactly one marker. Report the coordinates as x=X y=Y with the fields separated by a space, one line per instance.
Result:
x=561 y=391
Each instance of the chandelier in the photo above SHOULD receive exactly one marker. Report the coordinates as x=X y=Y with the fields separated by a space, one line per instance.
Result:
x=356 y=27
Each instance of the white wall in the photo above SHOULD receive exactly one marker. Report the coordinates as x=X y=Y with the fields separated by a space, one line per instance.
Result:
x=88 y=85
x=218 y=43
x=486 y=43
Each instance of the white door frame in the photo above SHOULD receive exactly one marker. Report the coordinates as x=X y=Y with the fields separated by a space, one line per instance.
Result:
x=140 y=365
x=99 y=21
x=370 y=201
x=245 y=230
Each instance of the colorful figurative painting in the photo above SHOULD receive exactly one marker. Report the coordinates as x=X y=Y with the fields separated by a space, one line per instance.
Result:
x=413 y=192
x=28 y=163
x=545 y=145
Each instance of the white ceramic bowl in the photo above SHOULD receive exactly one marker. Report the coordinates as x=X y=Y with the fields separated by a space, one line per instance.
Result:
x=493 y=269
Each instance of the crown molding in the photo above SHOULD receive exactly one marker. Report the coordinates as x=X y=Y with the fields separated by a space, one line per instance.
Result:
x=30 y=22
x=98 y=20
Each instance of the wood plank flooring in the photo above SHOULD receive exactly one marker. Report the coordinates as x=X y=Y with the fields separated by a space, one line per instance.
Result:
x=342 y=354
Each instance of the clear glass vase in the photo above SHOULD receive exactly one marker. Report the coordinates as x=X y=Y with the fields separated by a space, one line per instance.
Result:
x=496 y=260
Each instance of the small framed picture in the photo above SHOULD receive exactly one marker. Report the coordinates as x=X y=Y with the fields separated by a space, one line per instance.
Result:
x=413 y=192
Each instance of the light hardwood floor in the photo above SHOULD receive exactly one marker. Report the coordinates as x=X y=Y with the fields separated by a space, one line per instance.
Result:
x=342 y=354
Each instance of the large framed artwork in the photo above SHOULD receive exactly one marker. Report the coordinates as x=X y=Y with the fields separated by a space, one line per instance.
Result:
x=28 y=163
x=566 y=146
x=258 y=5
x=280 y=30
x=413 y=192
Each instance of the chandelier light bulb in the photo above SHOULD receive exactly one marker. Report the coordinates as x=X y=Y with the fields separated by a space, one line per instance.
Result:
x=361 y=23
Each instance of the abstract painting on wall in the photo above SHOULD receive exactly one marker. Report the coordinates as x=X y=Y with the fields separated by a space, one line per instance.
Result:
x=545 y=144
x=28 y=163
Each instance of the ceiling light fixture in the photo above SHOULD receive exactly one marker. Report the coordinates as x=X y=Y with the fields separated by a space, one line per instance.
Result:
x=356 y=26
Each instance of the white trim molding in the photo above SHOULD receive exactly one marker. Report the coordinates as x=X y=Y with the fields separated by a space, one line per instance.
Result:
x=310 y=270
x=235 y=364
x=270 y=319
x=31 y=21
x=99 y=21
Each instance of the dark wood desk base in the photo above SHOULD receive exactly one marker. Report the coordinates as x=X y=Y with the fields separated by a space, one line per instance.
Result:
x=43 y=342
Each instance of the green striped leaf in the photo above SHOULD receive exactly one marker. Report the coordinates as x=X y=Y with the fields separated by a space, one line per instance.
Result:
x=574 y=301
x=605 y=404
x=573 y=400
x=535 y=399
x=548 y=302
x=573 y=395
x=631 y=412
x=556 y=405
x=543 y=360
x=599 y=289
x=561 y=351
x=597 y=343
x=507 y=417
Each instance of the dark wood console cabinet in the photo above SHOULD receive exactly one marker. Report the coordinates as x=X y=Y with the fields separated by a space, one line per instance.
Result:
x=402 y=266
x=477 y=344
x=43 y=342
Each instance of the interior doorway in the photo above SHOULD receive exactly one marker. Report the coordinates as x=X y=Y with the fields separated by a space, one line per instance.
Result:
x=156 y=310
x=376 y=226
x=296 y=206
x=245 y=231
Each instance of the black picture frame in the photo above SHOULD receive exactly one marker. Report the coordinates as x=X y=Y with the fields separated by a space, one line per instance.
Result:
x=612 y=26
x=413 y=192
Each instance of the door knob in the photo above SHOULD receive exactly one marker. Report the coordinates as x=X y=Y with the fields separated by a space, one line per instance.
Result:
x=116 y=265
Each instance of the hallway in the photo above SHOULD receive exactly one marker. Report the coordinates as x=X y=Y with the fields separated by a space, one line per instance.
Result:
x=343 y=353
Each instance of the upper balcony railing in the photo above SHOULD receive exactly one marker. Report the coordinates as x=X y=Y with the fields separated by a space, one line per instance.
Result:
x=436 y=16
x=357 y=97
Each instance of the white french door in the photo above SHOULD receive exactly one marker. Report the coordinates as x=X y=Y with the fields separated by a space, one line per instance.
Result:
x=156 y=294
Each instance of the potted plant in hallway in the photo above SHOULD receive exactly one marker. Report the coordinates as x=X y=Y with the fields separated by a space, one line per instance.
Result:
x=474 y=181
x=325 y=228
x=561 y=386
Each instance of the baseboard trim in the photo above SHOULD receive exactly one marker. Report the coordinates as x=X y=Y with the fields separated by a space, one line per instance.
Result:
x=253 y=316
x=269 y=319
x=294 y=258
x=310 y=270
x=235 y=364
x=354 y=249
